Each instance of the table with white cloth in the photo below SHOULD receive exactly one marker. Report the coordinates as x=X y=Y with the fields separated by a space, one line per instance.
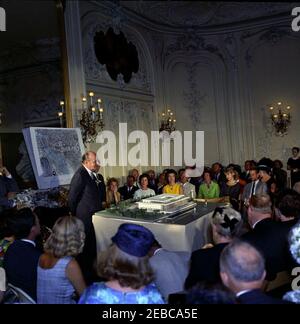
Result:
x=184 y=232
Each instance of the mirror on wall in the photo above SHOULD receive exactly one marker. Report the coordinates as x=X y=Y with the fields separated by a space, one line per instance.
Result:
x=31 y=78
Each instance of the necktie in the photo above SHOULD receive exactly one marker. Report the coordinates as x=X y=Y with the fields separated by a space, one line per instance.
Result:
x=252 y=189
x=94 y=178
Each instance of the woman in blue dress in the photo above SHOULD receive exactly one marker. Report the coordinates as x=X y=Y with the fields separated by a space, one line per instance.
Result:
x=125 y=266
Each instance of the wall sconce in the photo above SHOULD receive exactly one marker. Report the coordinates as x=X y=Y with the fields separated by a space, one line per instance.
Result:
x=91 y=121
x=61 y=113
x=168 y=121
x=281 y=118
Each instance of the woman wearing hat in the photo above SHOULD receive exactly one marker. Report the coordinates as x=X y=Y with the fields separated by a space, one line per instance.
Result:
x=125 y=266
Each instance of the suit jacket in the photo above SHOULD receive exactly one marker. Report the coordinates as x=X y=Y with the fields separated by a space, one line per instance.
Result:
x=205 y=266
x=125 y=194
x=256 y=296
x=85 y=195
x=7 y=185
x=20 y=264
x=170 y=269
x=271 y=238
x=260 y=188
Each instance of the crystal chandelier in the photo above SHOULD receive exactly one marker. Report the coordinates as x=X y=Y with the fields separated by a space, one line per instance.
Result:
x=168 y=121
x=281 y=119
x=91 y=121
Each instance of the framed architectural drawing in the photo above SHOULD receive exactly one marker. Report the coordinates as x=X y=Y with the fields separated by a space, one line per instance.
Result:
x=55 y=154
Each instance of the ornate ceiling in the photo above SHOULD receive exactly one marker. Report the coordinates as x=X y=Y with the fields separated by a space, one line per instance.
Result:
x=204 y=13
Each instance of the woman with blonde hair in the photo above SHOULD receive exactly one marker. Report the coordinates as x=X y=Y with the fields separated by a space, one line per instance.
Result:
x=59 y=275
x=112 y=194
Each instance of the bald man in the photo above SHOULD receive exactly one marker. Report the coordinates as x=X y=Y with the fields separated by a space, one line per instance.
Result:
x=87 y=196
x=242 y=270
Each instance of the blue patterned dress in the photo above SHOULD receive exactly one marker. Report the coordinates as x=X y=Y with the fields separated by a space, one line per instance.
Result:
x=99 y=293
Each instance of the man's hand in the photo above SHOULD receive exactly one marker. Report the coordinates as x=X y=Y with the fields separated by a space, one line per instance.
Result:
x=4 y=171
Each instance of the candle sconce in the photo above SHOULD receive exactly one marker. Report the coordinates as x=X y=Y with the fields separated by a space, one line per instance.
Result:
x=91 y=121
x=61 y=113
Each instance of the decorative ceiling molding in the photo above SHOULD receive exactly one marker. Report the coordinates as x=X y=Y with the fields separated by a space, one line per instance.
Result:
x=206 y=17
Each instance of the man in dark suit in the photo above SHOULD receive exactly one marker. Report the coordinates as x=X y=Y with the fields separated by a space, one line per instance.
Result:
x=21 y=258
x=242 y=270
x=86 y=196
x=255 y=187
x=128 y=190
x=218 y=174
x=270 y=237
x=8 y=186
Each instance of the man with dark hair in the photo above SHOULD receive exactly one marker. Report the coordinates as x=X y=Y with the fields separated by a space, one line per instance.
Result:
x=86 y=196
x=268 y=236
x=242 y=270
x=21 y=258
x=246 y=174
x=128 y=190
x=218 y=174
x=288 y=208
x=293 y=165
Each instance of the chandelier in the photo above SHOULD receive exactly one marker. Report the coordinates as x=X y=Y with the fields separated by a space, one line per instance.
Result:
x=168 y=121
x=281 y=119
x=91 y=121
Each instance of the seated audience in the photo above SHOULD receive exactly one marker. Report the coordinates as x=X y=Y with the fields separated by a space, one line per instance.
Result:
x=170 y=269
x=144 y=190
x=266 y=177
x=206 y=293
x=21 y=258
x=161 y=183
x=208 y=189
x=189 y=189
x=218 y=174
x=226 y=224
x=128 y=190
x=2 y=283
x=8 y=188
x=59 y=275
x=125 y=266
x=135 y=173
x=288 y=208
x=246 y=174
x=112 y=194
x=268 y=236
x=294 y=240
x=152 y=180
x=172 y=187
x=242 y=270
x=232 y=188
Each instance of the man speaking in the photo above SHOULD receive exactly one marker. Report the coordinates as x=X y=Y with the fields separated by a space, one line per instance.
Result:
x=86 y=196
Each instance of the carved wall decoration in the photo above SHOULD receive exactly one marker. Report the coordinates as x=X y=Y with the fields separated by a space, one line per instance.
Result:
x=194 y=98
x=97 y=72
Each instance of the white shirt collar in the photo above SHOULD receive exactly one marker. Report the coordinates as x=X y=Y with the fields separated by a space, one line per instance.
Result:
x=29 y=241
x=156 y=251
x=257 y=222
x=88 y=170
x=242 y=292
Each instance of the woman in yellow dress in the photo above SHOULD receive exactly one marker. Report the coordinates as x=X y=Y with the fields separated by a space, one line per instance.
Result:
x=172 y=187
